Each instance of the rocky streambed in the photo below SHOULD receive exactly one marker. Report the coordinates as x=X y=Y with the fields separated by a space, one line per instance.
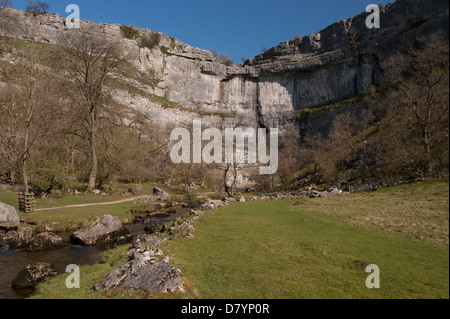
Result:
x=27 y=258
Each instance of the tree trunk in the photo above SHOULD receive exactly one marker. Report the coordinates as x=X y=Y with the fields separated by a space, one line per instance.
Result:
x=24 y=176
x=94 y=159
x=24 y=157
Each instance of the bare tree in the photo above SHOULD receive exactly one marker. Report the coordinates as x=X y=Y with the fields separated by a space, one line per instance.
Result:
x=5 y=3
x=419 y=98
x=37 y=7
x=92 y=63
x=290 y=156
x=27 y=111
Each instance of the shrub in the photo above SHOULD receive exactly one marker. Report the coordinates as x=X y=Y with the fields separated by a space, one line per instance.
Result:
x=172 y=43
x=129 y=32
x=164 y=50
x=223 y=57
x=47 y=175
x=150 y=41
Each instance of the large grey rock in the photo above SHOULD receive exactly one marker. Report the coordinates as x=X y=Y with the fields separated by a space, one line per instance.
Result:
x=33 y=274
x=105 y=230
x=9 y=217
x=20 y=238
x=46 y=241
x=147 y=269
x=162 y=194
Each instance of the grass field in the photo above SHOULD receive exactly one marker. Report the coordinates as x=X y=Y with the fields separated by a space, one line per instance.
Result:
x=65 y=219
x=280 y=250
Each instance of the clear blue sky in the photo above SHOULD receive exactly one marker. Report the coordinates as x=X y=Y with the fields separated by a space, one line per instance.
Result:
x=237 y=27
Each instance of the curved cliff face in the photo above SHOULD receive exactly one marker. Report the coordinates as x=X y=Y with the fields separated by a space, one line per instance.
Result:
x=341 y=61
x=270 y=90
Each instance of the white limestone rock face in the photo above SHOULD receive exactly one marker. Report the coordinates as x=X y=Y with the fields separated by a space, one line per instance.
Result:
x=335 y=64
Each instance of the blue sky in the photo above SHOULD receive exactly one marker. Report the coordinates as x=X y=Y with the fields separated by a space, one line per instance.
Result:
x=239 y=28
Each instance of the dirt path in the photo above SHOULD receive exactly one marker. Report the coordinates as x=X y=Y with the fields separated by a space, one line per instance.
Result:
x=96 y=204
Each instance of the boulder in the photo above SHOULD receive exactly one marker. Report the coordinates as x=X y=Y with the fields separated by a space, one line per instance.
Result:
x=147 y=269
x=46 y=241
x=9 y=217
x=151 y=240
x=150 y=229
x=213 y=203
x=242 y=199
x=162 y=194
x=122 y=240
x=105 y=230
x=334 y=192
x=20 y=238
x=33 y=274
x=133 y=191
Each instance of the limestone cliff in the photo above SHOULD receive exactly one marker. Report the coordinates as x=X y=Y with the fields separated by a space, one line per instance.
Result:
x=275 y=89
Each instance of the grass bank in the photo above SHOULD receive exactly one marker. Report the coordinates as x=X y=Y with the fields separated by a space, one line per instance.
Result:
x=65 y=219
x=281 y=250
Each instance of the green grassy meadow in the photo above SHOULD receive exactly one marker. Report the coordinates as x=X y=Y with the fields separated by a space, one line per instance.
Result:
x=282 y=249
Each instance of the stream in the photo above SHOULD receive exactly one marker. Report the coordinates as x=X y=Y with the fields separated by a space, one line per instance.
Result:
x=13 y=261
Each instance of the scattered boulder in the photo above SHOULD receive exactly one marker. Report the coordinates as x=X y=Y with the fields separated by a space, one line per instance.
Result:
x=19 y=239
x=160 y=205
x=105 y=230
x=122 y=240
x=9 y=217
x=146 y=269
x=151 y=240
x=133 y=191
x=213 y=203
x=150 y=229
x=241 y=199
x=46 y=241
x=162 y=194
x=334 y=192
x=196 y=213
x=96 y=192
x=33 y=274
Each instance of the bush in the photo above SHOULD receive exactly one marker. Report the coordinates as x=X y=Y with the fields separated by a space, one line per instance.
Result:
x=129 y=32
x=150 y=41
x=172 y=43
x=48 y=175
x=164 y=50
x=223 y=57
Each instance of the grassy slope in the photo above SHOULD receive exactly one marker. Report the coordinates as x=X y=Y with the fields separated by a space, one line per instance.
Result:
x=278 y=250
